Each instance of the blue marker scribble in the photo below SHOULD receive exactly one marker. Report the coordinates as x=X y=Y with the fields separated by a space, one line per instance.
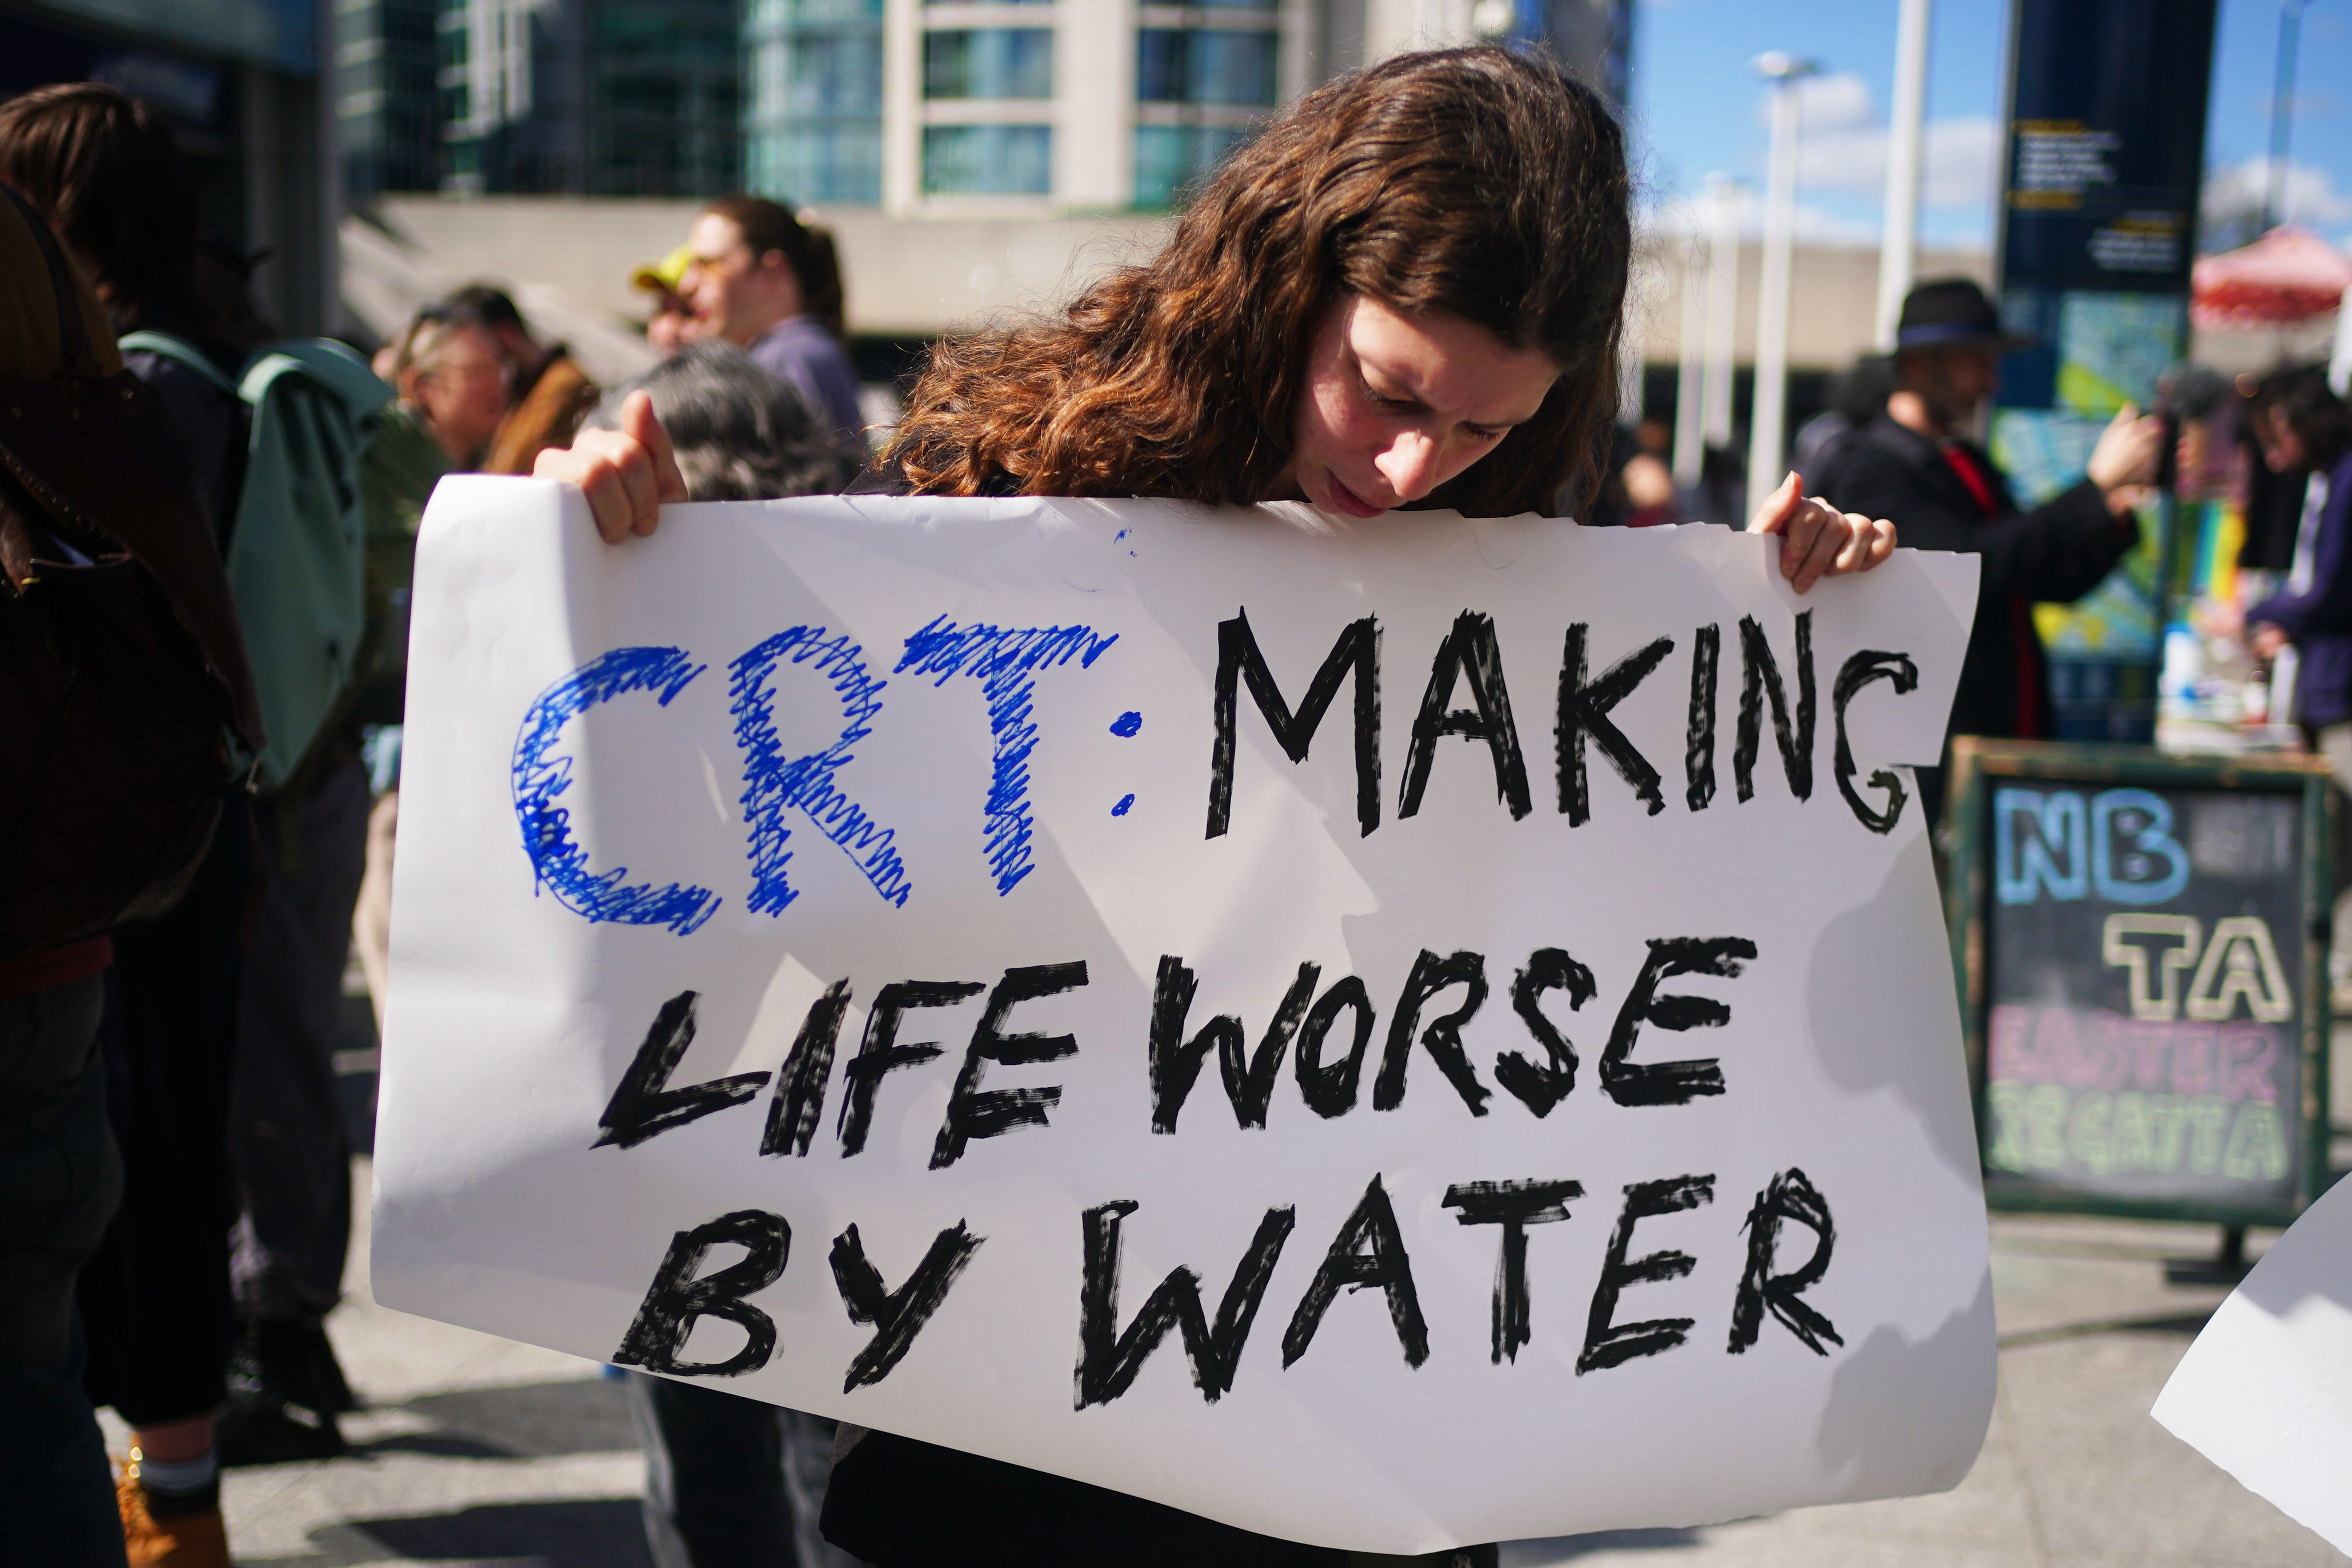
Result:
x=774 y=782
x=1126 y=725
x=560 y=864
x=1005 y=660
x=1126 y=804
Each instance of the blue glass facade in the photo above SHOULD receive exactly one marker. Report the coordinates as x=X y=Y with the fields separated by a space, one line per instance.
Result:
x=1202 y=90
x=1205 y=65
x=988 y=160
x=1172 y=159
x=813 y=121
x=989 y=62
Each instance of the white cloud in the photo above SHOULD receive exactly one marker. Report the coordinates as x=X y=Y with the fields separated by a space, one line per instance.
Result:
x=2311 y=195
x=1815 y=224
x=1842 y=146
x=1834 y=101
x=1960 y=169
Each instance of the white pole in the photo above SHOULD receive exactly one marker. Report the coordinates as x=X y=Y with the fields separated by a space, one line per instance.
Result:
x=2339 y=363
x=1631 y=381
x=1722 y=306
x=1767 y=434
x=1899 y=250
x=1689 y=367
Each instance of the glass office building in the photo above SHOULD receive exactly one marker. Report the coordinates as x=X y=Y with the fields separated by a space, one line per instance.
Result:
x=1023 y=105
x=1203 y=84
x=623 y=98
x=387 y=84
x=813 y=103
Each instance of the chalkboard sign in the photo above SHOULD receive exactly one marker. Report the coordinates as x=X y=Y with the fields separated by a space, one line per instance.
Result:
x=2141 y=947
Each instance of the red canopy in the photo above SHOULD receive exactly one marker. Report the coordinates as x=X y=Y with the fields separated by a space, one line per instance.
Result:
x=2288 y=275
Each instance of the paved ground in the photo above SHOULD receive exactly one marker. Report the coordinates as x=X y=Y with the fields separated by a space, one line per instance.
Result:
x=478 y=1451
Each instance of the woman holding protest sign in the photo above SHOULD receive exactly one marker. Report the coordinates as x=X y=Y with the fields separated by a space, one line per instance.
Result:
x=1407 y=292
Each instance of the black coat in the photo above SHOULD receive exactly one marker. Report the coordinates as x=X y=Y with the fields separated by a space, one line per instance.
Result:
x=2055 y=553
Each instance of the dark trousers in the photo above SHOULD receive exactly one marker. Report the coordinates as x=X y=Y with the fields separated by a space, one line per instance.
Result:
x=155 y=1300
x=59 y=1181
x=730 y=1482
x=292 y=1156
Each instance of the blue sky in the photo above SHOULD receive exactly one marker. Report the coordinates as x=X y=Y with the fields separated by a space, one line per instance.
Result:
x=1699 y=107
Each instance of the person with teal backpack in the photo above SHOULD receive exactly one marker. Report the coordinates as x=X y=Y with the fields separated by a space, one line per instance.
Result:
x=297 y=558
x=296 y=551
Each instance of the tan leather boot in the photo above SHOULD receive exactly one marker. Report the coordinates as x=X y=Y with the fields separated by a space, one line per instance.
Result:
x=183 y=1541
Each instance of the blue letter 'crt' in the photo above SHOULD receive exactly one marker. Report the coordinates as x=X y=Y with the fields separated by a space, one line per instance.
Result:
x=561 y=864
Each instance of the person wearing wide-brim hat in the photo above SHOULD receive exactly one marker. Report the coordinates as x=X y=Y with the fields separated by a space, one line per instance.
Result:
x=1919 y=465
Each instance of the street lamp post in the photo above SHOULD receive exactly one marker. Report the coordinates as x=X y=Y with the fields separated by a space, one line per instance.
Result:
x=1898 y=249
x=1689 y=367
x=2282 y=113
x=1722 y=301
x=1767 y=430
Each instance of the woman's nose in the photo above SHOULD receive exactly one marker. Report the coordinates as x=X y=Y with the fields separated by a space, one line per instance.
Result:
x=1409 y=465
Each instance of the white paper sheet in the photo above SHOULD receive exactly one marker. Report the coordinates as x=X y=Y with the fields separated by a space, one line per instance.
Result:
x=2266 y=1391
x=881 y=708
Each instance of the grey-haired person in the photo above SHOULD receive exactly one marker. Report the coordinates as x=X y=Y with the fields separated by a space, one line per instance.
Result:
x=729 y=1482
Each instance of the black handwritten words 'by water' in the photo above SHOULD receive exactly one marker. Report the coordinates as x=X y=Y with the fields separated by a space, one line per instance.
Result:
x=1368 y=1253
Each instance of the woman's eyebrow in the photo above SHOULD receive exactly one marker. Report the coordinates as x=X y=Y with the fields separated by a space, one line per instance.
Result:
x=1393 y=387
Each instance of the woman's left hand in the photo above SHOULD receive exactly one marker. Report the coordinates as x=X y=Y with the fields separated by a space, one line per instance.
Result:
x=1818 y=540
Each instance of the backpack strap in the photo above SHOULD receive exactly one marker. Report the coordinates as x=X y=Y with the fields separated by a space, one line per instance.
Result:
x=342 y=372
x=179 y=352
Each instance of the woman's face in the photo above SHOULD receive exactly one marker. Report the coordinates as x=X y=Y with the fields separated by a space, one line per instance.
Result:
x=1394 y=406
x=463 y=392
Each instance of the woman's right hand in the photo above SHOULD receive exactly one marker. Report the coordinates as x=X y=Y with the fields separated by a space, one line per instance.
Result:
x=625 y=473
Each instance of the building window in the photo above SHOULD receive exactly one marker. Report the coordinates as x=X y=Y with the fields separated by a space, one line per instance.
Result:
x=812 y=132
x=1205 y=65
x=1170 y=160
x=989 y=62
x=1200 y=92
x=988 y=160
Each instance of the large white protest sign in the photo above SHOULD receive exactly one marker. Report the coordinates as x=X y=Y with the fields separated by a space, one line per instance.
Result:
x=1426 y=1035
x=2266 y=1391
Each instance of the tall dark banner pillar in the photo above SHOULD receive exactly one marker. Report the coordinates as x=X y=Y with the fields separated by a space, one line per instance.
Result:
x=2103 y=153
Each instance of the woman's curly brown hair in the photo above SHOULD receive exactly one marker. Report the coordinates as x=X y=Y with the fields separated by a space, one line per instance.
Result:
x=1473 y=180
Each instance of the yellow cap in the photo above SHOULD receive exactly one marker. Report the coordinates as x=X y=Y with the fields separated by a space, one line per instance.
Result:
x=665 y=274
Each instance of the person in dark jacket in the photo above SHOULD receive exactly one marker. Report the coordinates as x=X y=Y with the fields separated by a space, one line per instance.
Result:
x=2303 y=425
x=154 y=1300
x=1916 y=466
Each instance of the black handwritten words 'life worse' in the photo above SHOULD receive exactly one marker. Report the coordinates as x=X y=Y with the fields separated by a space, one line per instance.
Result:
x=1326 y=1031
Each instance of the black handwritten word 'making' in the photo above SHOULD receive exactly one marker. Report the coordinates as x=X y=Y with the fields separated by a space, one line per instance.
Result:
x=1467 y=698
